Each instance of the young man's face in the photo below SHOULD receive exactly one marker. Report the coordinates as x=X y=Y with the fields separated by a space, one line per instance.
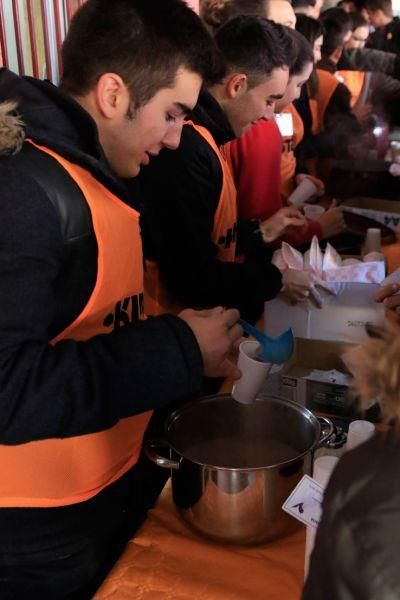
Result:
x=258 y=102
x=317 y=48
x=376 y=18
x=281 y=12
x=315 y=11
x=294 y=86
x=132 y=139
x=358 y=37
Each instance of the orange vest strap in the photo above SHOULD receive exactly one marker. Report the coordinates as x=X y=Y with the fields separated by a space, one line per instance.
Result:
x=354 y=81
x=327 y=84
x=57 y=472
x=157 y=299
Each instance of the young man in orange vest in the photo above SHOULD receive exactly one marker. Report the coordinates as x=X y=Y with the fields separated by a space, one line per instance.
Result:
x=337 y=122
x=80 y=370
x=190 y=221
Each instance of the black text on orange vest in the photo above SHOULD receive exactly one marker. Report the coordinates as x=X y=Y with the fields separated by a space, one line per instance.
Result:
x=287 y=146
x=229 y=238
x=129 y=310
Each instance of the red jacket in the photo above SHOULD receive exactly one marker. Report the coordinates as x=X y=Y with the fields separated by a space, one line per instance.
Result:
x=256 y=163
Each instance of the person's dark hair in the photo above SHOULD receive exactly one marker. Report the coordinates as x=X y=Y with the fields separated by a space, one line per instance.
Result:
x=358 y=21
x=143 y=41
x=302 y=4
x=254 y=46
x=360 y=5
x=384 y=5
x=304 y=54
x=310 y=28
x=339 y=15
x=334 y=36
x=217 y=12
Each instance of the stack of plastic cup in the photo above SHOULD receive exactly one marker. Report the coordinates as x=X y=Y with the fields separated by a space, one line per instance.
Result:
x=254 y=373
x=323 y=467
x=304 y=191
x=359 y=432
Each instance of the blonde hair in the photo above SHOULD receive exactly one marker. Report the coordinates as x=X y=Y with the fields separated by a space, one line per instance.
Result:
x=216 y=12
x=375 y=366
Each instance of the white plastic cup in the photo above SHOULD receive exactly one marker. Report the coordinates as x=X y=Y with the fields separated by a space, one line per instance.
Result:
x=304 y=191
x=359 y=432
x=323 y=467
x=373 y=241
x=313 y=211
x=254 y=373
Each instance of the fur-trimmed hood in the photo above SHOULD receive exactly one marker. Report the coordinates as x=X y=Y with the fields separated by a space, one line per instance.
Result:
x=12 y=132
x=40 y=111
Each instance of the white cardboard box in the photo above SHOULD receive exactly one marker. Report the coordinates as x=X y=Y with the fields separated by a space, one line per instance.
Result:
x=386 y=212
x=342 y=318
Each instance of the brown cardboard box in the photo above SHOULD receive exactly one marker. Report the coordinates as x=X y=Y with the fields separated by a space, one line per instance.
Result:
x=297 y=381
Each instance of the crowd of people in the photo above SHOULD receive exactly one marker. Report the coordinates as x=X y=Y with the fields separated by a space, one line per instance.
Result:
x=141 y=202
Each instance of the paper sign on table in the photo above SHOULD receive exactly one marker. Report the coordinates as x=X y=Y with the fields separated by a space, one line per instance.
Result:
x=304 y=503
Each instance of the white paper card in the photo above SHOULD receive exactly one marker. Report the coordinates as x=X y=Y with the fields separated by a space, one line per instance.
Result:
x=285 y=124
x=304 y=503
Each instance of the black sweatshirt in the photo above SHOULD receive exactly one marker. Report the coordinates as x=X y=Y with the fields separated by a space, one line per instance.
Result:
x=74 y=387
x=181 y=191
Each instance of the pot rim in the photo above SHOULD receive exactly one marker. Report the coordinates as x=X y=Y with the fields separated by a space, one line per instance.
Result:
x=301 y=409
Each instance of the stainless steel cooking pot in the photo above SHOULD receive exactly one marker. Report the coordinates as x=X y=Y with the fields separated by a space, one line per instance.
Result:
x=233 y=465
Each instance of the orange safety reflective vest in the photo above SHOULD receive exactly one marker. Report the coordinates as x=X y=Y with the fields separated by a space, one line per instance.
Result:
x=157 y=299
x=288 y=159
x=354 y=81
x=327 y=84
x=315 y=122
x=59 y=472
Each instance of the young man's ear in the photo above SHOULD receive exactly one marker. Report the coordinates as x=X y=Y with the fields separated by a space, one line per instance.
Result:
x=236 y=85
x=112 y=96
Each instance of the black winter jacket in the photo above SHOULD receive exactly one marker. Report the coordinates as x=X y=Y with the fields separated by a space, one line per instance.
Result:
x=357 y=545
x=369 y=59
x=181 y=191
x=386 y=38
x=48 y=262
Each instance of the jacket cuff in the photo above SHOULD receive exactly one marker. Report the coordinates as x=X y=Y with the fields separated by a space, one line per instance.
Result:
x=190 y=350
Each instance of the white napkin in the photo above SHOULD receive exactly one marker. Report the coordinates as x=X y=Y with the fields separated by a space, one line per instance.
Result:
x=328 y=269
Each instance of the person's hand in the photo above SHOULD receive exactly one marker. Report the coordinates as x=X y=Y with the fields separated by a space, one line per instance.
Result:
x=299 y=285
x=332 y=221
x=320 y=184
x=275 y=226
x=388 y=295
x=217 y=333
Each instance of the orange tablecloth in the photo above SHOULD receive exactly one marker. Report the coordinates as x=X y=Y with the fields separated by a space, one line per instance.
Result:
x=392 y=255
x=167 y=561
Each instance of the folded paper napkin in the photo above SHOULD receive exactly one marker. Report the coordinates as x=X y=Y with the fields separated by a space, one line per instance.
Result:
x=329 y=268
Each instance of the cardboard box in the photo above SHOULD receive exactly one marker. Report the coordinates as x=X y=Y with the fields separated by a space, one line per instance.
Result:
x=386 y=212
x=342 y=318
x=300 y=379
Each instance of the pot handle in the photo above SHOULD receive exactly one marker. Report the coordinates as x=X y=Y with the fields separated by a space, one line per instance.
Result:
x=327 y=428
x=161 y=461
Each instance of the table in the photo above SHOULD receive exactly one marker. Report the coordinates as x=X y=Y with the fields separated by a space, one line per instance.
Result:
x=166 y=560
x=392 y=254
